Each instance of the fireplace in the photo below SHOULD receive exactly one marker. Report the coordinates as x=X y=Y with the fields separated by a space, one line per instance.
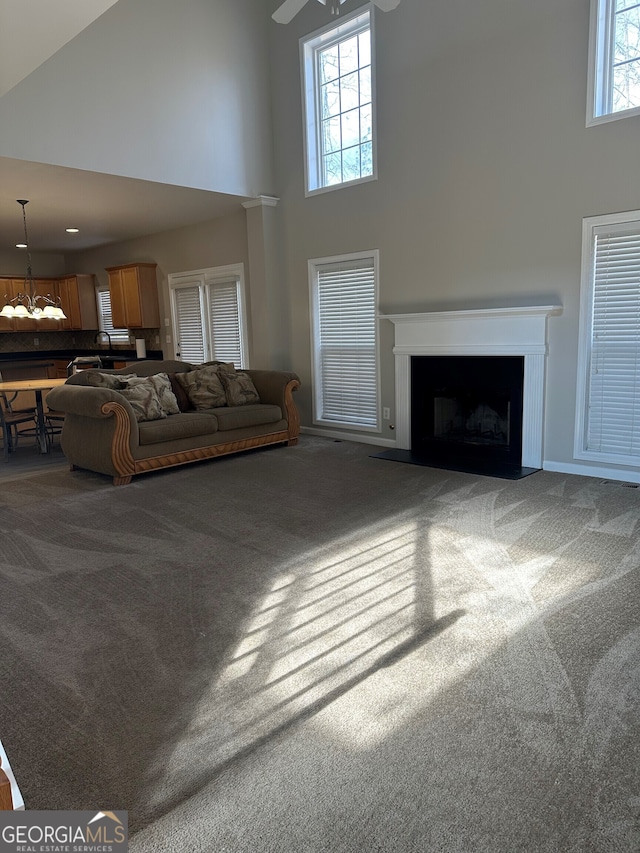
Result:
x=467 y=410
x=508 y=423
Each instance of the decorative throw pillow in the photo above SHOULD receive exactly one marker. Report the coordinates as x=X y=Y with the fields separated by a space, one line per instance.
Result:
x=203 y=387
x=144 y=401
x=238 y=386
x=184 y=403
x=162 y=387
x=107 y=380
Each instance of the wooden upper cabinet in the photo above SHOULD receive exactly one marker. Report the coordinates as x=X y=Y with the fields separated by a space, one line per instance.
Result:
x=78 y=298
x=134 y=296
x=77 y=295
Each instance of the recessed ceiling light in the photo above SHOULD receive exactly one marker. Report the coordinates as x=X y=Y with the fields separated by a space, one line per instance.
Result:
x=72 y=230
x=21 y=245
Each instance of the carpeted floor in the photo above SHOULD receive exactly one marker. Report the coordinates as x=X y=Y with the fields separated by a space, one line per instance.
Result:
x=308 y=649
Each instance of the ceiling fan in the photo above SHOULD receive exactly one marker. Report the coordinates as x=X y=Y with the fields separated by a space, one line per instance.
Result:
x=290 y=8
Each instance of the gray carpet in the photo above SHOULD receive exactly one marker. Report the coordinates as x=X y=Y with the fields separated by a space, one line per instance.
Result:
x=307 y=649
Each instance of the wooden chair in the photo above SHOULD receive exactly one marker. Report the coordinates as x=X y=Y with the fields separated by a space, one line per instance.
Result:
x=8 y=401
x=6 y=799
x=10 y=421
x=54 y=421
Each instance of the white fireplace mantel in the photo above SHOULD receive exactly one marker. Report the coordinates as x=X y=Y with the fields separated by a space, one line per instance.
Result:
x=483 y=331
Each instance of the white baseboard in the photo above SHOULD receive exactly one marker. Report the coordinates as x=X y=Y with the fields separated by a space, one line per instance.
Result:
x=349 y=436
x=591 y=471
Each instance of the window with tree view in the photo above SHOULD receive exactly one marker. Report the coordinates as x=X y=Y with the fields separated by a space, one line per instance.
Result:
x=615 y=59
x=338 y=82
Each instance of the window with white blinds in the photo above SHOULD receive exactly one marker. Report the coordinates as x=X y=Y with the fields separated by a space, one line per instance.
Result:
x=345 y=351
x=611 y=334
x=209 y=316
x=118 y=336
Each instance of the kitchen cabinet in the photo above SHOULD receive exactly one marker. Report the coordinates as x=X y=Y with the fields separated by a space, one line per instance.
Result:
x=78 y=299
x=134 y=296
x=77 y=295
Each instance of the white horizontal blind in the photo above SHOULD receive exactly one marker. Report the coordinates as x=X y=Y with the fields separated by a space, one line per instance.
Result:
x=225 y=322
x=345 y=345
x=118 y=336
x=614 y=386
x=189 y=330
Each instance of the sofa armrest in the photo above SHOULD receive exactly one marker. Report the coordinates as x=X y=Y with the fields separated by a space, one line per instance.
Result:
x=271 y=385
x=276 y=387
x=86 y=400
x=100 y=429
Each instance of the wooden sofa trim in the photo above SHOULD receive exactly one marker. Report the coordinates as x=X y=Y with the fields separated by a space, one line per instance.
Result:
x=127 y=466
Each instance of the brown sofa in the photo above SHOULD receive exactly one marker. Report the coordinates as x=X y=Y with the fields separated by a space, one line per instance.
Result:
x=101 y=432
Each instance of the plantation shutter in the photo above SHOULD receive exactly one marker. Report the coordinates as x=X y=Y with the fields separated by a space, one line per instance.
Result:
x=345 y=328
x=118 y=336
x=614 y=388
x=189 y=332
x=226 y=341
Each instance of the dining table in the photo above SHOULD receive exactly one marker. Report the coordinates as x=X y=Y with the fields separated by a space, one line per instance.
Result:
x=37 y=386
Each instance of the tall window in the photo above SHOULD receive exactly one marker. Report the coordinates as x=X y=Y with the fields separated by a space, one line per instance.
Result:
x=209 y=315
x=344 y=338
x=608 y=422
x=614 y=65
x=337 y=72
x=118 y=336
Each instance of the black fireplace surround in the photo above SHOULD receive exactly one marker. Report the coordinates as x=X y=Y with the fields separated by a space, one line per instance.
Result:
x=466 y=412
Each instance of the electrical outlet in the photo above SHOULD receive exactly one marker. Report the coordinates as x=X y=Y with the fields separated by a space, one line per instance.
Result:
x=166 y=322
x=168 y=339
x=36 y=342
x=157 y=339
x=386 y=413
x=73 y=340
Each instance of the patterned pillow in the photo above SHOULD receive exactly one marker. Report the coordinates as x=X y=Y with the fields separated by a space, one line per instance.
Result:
x=184 y=403
x=107 y=380
x=203 y=387
x=162 y=386
x=144 y=400
x=238 y=386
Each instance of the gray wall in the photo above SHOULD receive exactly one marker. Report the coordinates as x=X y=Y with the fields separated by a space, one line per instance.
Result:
x=486 y=170
x=154 y=89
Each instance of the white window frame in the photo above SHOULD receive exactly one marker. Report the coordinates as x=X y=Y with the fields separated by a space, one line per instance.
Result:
x=309 y=48
x=591 y=227
x=313 y=267
x=118 y=336
x=203 y=279
x=600 y=85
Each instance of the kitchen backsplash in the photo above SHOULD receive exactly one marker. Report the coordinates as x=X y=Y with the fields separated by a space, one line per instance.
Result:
x=47 y=341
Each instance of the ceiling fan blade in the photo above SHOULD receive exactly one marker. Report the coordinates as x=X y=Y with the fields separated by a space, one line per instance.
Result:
x=386 y=5
x=287 y=11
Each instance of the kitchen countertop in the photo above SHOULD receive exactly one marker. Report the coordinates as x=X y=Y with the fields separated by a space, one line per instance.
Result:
x=15 y=359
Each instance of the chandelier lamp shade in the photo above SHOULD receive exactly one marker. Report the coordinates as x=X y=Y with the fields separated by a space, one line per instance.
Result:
x=28 y=304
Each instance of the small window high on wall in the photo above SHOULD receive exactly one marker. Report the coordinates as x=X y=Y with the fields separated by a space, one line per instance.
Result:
x=339 y=103
x=608 y=409
x=209 y=315
x=614 y=60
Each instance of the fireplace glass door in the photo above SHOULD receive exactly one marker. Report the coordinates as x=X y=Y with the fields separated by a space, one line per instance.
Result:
x=467 y=408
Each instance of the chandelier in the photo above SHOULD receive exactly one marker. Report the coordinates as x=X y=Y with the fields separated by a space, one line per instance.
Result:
x=29 y=304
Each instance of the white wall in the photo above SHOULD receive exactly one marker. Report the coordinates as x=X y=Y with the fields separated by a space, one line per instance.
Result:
x=486 y=170
x=154 y=89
